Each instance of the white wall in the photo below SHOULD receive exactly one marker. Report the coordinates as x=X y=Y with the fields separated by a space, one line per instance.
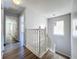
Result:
x=63 y=42
x=34 y=19
x=21 y=29
x=73 y=41
x=74 y=37
x=2 y=31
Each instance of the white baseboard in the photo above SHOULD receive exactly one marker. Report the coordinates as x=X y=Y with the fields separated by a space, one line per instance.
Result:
x=2 y=54
x=34 y=52
x=52 y=50
x=63 y=53
x=43 y=53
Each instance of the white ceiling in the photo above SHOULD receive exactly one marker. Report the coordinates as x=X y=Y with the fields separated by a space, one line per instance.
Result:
x=48 y=8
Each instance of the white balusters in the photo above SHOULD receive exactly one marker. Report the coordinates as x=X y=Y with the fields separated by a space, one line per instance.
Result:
x=36 y=41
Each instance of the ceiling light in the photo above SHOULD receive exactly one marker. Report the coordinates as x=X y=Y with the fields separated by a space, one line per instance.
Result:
x=17 y=2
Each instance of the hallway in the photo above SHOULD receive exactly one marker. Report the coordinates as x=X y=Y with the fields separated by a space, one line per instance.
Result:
x=24 y=53
x=38 y=29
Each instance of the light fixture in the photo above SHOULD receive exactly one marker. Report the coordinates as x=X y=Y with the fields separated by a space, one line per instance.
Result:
x=17 y=2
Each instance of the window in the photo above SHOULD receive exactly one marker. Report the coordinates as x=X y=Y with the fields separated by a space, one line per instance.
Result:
x=59 y=28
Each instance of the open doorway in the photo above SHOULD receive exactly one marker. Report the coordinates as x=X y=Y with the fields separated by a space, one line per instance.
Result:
x=13 y=29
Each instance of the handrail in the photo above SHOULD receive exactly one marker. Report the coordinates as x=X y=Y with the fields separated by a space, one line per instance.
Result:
x=39 y=42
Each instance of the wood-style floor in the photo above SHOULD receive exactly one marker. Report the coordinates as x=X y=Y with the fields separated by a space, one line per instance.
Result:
x=24 y=53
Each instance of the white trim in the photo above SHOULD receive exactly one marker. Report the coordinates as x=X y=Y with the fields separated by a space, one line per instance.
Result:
x=41 y=55
x=32 y=50
x=63 y=53
x=36 y=53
